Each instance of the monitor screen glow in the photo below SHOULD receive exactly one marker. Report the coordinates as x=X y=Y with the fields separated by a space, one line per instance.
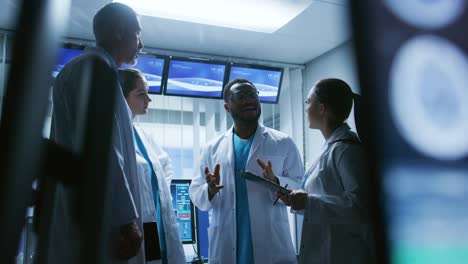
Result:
x=64 y=56
x=203 y=224
x=153 y=69
x=266 y=79
x=195 y=78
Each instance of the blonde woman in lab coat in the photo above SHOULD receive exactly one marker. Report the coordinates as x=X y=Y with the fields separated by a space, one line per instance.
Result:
x=334 y=196
x=154 y=171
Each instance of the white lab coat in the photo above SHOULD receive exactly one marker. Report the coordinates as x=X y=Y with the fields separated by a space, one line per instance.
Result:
x=65 y=236
x=271 y=238
x=337 y=227
x=175 y=251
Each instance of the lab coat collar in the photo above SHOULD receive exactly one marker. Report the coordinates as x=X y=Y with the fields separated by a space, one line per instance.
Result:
x=341 y=133
x=259 y=136
x=258 y=139
x=261 y=130
x=103 y=53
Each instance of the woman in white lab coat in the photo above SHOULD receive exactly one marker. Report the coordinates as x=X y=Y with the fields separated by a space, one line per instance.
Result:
x=334 y=196
x=154 y=172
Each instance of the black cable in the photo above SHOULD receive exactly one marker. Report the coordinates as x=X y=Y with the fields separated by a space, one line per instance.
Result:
x=197 y=259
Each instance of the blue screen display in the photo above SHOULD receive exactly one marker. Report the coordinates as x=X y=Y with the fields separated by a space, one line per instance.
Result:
x=203 y=224
x=267 y=81
x=183 y=209
x=196 y=79
x=65 y=55
x=152 y=68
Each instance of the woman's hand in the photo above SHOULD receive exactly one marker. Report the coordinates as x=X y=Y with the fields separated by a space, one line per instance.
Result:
x=298 y=200
x=284 y=198
x=127 y=241
x=268 y=171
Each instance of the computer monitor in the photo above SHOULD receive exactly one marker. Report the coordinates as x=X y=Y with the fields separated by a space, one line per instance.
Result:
x=184 y=210
x=266 y=79
x=152 y=67
x=67 y=53
x=195 y=78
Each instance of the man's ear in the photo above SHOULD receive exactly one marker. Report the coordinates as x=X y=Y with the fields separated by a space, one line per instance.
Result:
x=226 y=107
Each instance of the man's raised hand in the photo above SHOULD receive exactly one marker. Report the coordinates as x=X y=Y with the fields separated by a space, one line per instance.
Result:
x=213 y=181
x=267 y=171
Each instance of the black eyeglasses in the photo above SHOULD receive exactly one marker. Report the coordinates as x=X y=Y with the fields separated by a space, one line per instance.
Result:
x=242 y=96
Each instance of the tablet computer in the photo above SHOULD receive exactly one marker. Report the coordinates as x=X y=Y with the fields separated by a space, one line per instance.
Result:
x=267 y=183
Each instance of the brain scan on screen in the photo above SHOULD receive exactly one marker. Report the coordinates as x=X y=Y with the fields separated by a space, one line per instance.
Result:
x=428 y=14
x=428 y=96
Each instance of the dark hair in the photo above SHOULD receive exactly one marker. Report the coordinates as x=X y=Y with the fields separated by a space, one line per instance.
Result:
x=108 y=18
x=227 y=87
x=128 y=78
x=337 y=95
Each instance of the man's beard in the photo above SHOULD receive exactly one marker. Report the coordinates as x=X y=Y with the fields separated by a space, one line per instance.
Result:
x=238 y=117
x=132 y=62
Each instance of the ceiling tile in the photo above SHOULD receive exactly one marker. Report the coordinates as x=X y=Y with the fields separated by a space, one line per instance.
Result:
x=321 y=20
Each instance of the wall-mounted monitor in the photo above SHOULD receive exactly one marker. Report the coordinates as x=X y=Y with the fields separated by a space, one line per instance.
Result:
x=67 y=53
x=195 y=78
x=266 y=79
x=184 y=210
x=152 y=68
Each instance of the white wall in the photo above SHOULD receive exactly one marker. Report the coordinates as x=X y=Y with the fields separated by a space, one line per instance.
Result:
x=337 y=63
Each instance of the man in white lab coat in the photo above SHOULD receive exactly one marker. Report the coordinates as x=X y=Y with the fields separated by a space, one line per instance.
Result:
x=117 y=31
x=246 y=226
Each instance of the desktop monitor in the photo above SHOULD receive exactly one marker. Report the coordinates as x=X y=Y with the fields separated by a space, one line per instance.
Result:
x=266 y=79
x=152 y=68
x=183 y=210
x=195 y=78
x=65 y=55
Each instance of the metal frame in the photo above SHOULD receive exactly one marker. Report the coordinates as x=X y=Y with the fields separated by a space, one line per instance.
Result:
x=24 y=109
x=26 y=156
